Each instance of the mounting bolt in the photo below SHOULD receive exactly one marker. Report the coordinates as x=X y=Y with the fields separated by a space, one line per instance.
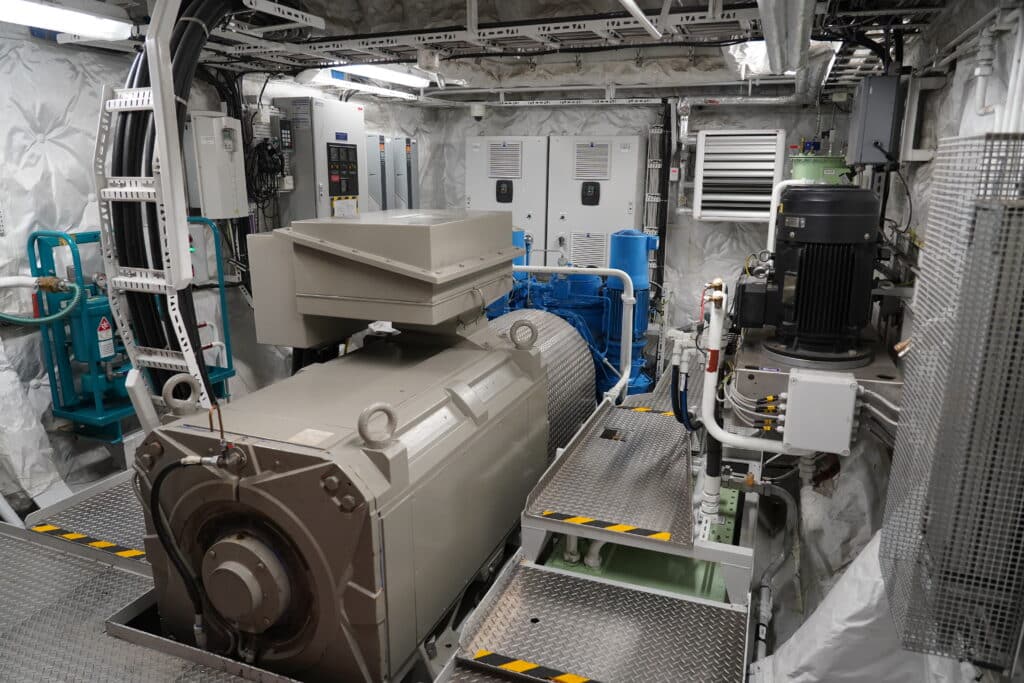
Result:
x=331 y=483
x=348 y=502
x=867 y=235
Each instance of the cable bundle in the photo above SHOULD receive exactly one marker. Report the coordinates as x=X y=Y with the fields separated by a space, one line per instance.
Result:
x=132 y=156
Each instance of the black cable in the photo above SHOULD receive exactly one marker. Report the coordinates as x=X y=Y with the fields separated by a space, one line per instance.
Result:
x=192 y=584
x=680 y=406
x=910 y=202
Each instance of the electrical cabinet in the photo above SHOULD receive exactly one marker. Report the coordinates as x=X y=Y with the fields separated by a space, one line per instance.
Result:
x=510 y=174
x=215 y=165
x=379 y=190
x=404 y=172
x=328 y=159
x=595 y=188
x=876 y=118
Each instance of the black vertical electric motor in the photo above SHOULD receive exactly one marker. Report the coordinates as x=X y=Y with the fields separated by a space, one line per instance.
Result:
x=818 y=295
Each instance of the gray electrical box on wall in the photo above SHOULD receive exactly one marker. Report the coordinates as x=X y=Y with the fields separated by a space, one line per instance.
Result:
x=877 y=114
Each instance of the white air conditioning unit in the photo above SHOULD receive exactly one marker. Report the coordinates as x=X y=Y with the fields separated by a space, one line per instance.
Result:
x=735 y=173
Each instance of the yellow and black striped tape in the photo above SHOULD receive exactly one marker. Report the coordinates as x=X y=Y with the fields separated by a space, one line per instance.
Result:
x=645 y=409
x=608 y=526
x=82 y=539
x=528 y=669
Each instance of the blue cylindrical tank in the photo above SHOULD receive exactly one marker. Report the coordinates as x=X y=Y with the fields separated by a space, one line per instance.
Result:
x=628 y=252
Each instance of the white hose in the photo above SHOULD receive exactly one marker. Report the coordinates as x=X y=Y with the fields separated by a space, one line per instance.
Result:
x=18 y=281
x=882 y=416
x=881 y=399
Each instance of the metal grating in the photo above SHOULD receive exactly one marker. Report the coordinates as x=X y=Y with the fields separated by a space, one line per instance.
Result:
x=952 y=547
x=505 y=160
x=113 y=515
x=52 y=612
x=605 y=632
x=569 y=368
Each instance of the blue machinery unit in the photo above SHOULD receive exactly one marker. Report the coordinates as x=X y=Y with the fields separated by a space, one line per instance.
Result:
x=84 y=357
x=593 y=305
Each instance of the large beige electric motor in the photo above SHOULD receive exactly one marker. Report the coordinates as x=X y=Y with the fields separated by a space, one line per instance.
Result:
x=344 y=510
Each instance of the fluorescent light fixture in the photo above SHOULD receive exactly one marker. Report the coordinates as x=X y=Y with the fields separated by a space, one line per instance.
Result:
x=63 y=20
x=332 y=78
x=381 y=73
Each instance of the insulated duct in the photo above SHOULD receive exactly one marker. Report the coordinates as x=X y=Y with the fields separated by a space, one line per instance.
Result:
x=786 y=25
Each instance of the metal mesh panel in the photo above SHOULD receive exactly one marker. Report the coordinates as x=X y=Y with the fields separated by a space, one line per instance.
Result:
x=952 y=546
x=569 y=368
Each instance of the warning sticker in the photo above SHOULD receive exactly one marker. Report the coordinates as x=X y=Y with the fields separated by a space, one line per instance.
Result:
x=105 y=338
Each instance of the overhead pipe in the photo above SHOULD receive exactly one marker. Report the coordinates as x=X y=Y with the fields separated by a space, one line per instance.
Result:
x=1009 y=118
x=628 y=299
x=786 y=25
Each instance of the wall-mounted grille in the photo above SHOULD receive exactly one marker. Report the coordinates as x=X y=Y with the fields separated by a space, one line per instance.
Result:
x=952 y=550
x=735 y=172
x=592 y=161
x=505 y=160
x=589 y=249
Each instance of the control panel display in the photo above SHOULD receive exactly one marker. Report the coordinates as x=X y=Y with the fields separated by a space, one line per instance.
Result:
x=342 y=170
x=590 y=193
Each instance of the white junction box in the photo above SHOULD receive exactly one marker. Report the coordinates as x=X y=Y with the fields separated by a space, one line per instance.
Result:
x=510 y=173
x=595 y=188
x=215 y=165
x=820 y=410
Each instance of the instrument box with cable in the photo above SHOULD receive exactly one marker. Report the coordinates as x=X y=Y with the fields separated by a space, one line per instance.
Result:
x=820 y=410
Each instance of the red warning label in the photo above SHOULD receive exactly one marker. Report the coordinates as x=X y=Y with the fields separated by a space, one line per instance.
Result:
x=105 y=338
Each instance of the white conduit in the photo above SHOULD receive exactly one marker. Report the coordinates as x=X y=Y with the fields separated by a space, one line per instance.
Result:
x=628 y=299
x=707 y=405
x=774 y=211
x=18 y=281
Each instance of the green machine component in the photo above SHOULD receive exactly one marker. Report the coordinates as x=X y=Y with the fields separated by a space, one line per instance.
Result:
x=828 y=170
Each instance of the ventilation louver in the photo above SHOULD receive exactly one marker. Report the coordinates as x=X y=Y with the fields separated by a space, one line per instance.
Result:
x=505 y=160
x=735 y=173
x=589 y=249
x=592 y=161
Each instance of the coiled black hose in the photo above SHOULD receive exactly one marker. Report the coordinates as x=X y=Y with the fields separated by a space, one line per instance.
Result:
x=680 y=402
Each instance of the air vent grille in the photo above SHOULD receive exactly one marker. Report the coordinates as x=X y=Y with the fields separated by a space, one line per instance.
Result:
x=592 y=161
x=735 y=173
x=505 y=160
x=589 y=249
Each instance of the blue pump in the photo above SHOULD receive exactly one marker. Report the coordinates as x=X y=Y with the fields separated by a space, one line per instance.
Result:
x=593 y=305
x=83 y=354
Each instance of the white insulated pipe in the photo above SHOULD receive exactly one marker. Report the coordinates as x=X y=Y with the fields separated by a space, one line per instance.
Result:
x=983 y=68
x=628 y=299
x=773 y=213
x=27 y=281
x=718 y=301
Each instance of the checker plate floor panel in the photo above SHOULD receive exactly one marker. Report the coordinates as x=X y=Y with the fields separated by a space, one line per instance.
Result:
x=605 y=632
x=53 y=606
x=113 y=515
x=628 y=468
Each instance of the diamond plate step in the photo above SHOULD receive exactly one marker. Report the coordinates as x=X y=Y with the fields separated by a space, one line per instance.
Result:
x=628 y=472
x=110 y=512
x=602 y=631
